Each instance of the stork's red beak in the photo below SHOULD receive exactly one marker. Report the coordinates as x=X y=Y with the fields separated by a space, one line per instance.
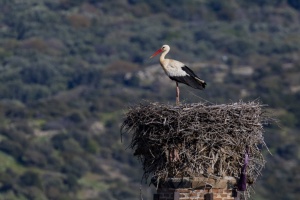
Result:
x=157 y=52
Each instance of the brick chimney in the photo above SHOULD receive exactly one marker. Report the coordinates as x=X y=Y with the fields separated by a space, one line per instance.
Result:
x=193 y=194
x=194 y=189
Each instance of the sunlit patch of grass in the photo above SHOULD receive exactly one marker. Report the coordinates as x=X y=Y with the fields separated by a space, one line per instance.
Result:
x=92 y=185
x=12 y=196
x=104 y=117
x=93 y=181
x=8 y=162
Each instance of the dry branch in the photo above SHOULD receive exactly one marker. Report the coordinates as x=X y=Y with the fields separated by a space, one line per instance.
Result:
x=194 y=140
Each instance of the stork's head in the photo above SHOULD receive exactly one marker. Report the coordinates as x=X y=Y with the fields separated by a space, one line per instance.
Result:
x=164 y=47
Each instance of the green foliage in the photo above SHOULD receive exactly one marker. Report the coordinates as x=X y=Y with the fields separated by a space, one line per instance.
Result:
x=12 y=148
x=30 y=179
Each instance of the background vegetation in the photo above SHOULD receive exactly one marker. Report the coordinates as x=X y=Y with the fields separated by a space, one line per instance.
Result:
x=69 y=68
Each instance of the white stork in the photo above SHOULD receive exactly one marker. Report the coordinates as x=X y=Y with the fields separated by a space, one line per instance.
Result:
x=178 y=72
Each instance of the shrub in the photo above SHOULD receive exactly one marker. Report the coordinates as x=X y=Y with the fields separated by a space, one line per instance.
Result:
x=11 y=148
x=30 y=178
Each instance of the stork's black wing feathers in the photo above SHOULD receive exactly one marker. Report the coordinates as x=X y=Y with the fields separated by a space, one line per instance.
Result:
x=188 y=71
x=191 y=79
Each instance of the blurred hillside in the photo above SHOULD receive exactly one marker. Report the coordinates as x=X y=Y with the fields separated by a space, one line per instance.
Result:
x=70 y=68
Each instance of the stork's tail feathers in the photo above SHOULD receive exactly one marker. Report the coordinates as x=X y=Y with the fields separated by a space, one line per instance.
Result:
x=201 y=82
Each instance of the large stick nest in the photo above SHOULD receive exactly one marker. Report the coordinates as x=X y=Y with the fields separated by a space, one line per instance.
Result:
x=193 y=140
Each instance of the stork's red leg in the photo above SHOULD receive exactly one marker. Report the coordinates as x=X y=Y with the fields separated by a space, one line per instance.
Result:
x=177 y=94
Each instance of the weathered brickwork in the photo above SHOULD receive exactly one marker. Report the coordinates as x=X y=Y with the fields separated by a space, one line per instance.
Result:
x=193 y=194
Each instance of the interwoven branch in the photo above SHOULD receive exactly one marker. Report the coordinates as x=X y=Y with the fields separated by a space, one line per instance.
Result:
x=197 y=139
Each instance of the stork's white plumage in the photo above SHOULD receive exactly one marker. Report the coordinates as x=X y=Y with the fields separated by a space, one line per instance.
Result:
x=178 y=72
